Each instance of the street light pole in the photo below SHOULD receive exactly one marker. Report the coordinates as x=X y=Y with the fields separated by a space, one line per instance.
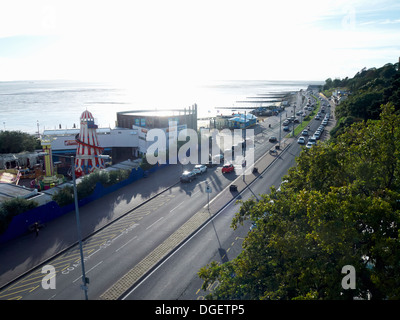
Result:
x=85 y=281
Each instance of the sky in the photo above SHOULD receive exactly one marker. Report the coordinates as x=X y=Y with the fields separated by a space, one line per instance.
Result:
x=185 y=40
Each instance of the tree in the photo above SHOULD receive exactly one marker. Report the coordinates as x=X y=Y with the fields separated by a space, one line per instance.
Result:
x=17 y=141
x=339 y=207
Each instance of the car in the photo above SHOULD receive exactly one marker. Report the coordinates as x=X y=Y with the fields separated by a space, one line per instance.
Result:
x=321 y=128
x=305 y=132
x=199 y=169
x=219 y=158
x=317 y=117
x=312 y=139
x=324 y=123
x=228 y=167
x=272 y=139
x=309 y=145
x=286 y=128
x=188 y=176
x=301 y=140
x=317 y=135
x=286 y=123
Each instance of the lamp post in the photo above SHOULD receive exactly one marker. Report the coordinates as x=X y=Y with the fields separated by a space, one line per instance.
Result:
x=85 y=280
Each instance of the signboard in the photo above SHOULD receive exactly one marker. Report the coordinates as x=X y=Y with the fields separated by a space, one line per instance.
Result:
x=208 y=189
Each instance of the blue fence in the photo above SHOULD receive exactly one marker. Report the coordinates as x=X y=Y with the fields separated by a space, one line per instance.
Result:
x=21 y=223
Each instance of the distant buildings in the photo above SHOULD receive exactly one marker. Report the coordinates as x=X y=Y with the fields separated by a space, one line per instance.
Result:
x=128 y=139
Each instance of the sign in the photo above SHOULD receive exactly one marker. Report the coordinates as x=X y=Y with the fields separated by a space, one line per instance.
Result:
x=208 y=189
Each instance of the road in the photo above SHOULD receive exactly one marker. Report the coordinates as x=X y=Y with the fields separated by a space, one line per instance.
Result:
x=176 y=278
x=110 y=253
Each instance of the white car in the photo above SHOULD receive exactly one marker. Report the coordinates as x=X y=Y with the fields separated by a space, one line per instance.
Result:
x=310 y=144
x=199 y=169
x=301 y=140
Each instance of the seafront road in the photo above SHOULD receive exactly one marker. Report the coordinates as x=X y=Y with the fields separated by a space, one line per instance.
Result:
x=151 y=218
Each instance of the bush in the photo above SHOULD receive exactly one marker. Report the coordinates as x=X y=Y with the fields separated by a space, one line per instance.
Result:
x=86 y=187
x=65 y=196
x=13 y=207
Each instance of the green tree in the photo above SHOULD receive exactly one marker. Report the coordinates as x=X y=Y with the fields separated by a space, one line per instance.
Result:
x=339 y=207
x=17 y=141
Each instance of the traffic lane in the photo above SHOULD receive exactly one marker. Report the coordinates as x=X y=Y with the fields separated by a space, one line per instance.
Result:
x=170 y=279
x=153 y=224
x=177 y=276
x=146 y=236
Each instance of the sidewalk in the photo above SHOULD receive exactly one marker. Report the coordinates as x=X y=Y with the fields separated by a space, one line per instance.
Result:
x=28 y=251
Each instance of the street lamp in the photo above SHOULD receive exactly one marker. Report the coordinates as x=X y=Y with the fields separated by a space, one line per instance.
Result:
x=85 y=280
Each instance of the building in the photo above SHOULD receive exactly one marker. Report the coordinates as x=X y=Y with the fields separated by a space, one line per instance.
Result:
x=141 y=121
x=242 y=121
x=128 y=139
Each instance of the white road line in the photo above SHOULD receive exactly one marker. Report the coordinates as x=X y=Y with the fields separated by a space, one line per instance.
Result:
x=126 y=244
x=154 y=223
x=177 y=206
x=88 y=271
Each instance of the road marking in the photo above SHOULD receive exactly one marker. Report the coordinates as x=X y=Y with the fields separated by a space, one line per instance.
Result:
x=177 y=206
x=88 y=271
x=154 y=223
x=126 y=244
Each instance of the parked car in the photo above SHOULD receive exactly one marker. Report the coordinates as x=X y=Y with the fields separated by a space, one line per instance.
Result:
x=317 y=135
x=309 y=145
x=228 y=167
x=305 y=132
x=301 y=140
x=272 y=139
x=199 y=169
x=188 y=176
x=312 y=139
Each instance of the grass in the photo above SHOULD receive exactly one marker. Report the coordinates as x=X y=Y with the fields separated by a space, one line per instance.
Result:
x=305 y=123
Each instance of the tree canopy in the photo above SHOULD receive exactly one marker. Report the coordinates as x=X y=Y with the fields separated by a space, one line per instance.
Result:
x=17 y=141
x=339 y=207
x=370 y=88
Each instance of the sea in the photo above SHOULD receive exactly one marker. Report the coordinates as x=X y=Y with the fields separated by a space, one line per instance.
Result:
x=33 y=106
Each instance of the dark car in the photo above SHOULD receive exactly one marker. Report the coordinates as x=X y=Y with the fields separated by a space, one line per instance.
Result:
x=188 y=176
x=273 y=139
